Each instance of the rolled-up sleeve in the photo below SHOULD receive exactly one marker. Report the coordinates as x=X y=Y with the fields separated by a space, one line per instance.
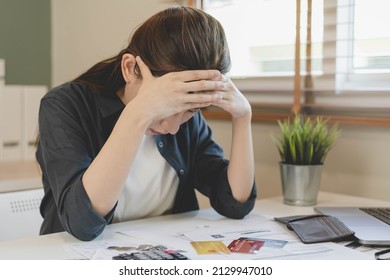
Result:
x=63 y=155
x=212 y=179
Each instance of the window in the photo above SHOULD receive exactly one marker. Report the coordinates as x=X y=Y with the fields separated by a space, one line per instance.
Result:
x=344 y=52
x=363 y=25
x=371 y=45
x=266 y=44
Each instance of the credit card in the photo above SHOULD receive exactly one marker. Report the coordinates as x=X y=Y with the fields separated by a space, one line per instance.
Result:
x=273 y=243
x=210 y=247
x=246 y=246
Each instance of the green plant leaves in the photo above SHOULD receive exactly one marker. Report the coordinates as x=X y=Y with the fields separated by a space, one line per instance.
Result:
x=305 y=141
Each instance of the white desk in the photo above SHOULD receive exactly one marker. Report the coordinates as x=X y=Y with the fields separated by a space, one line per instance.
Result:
x=57 y=246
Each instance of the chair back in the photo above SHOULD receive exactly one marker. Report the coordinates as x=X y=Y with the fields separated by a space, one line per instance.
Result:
x=19 y=214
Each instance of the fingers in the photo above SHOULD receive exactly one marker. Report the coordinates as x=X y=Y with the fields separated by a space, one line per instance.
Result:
x=202 y=98
x=196 y=106
x=195 y=80
x=197 y=75
x=208 y=91
x=145 y=71
x=221 y=83
x=204 y=86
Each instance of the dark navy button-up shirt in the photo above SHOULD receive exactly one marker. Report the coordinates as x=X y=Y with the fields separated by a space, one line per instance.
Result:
x=74 y=124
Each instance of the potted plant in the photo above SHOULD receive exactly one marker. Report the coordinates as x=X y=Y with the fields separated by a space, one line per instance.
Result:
x=303 y=147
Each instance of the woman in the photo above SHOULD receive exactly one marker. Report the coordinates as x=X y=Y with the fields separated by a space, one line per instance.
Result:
x=126 y=139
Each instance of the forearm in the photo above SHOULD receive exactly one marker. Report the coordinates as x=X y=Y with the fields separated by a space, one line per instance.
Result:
x=241 y=166
x=106 y=176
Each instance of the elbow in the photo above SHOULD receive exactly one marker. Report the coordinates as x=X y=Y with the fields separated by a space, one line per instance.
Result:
x=84 y=229
x=84 y=235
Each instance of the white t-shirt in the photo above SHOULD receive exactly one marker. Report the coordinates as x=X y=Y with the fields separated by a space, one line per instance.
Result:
x=151 y=186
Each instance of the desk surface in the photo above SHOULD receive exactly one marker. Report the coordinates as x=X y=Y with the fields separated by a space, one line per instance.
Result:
x=59 y=245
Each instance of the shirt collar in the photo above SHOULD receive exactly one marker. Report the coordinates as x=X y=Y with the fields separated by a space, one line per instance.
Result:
x=109 y=104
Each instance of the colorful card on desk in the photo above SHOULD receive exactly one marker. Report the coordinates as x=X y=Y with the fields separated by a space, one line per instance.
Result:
x=273 y=243
x=246 y=246
x=210 y=247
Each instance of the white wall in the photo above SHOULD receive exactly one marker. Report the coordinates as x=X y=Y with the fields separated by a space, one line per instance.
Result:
x=358 y=164
x=87 y=31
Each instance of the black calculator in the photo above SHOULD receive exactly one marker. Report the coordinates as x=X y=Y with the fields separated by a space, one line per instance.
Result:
x=151 y=255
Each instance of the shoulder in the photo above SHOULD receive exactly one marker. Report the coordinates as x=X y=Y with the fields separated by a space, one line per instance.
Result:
x=74 y=98
x=70 y=96
x=63 y=104
x=69 y=90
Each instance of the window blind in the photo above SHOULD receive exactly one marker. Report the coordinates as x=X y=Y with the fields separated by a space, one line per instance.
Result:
x=337 y=68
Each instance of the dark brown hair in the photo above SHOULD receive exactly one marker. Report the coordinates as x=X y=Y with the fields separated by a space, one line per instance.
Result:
x=178 y=38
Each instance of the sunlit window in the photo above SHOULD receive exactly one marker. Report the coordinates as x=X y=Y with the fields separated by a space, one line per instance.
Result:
x=349 y=38
x=261 y=34
x=371 y=35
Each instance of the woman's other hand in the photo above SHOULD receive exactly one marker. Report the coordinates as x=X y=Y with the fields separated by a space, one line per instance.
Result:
x=233 y=101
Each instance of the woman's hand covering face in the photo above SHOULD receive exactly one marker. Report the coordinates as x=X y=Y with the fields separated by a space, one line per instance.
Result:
x=177 y=92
